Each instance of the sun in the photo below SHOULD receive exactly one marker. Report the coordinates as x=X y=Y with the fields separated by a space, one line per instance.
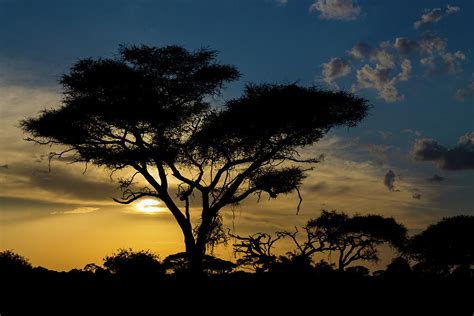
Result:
x=149 y=206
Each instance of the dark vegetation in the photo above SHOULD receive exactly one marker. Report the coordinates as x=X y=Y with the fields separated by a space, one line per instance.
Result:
x=148 y=113
x=431 y=270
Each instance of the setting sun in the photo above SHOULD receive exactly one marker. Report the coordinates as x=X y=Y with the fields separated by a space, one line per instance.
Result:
x=149 y=206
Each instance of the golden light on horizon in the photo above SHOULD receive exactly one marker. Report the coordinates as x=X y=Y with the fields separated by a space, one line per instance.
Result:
x=149 y=206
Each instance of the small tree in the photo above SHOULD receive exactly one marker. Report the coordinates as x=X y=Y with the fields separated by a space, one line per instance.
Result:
x=148 y=112
x=445 y=245
x=256 y=251
x=356 y=238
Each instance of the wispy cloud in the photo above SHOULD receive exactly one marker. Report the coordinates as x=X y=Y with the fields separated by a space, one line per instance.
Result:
x=463 y=93
x=435 y=15
x=79 y=210
x=281 y=2
x=344 y=10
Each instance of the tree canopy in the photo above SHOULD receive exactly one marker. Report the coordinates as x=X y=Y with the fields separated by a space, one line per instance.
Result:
x=357 y=237
x=445 y=245
x=148 y=111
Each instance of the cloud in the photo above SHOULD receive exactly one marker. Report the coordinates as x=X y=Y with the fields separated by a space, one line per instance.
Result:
x=404 y=75
x=411 y=131
x=460 y=157
x=385 y=60
x=380 y=72
x=452 y=9
x=451 y=61
x=416 y=196
x=434 y=15
x=379 y=152
x=282 y=2
x=79 y=210
x=61 y=183
x=405 y=46
x=344 y=10
x=380 y=79
x=335 y=68
x=389 y=181
x=436 y=179
x=462 y=93
x=361 y=50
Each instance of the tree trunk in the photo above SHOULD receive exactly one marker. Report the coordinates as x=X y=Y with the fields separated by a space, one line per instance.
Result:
x=197 y=253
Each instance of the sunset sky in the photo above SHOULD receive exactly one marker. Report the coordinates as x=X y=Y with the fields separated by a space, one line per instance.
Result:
x=412 y=158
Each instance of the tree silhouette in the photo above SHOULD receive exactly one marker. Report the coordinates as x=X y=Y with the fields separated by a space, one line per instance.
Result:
x=12 y=263
x=128 y=263
x=148 y=111
x=445 y=245
x=356 y=238
x=255 y=251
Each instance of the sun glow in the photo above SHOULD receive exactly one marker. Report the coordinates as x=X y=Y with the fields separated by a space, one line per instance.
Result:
x=149 y=206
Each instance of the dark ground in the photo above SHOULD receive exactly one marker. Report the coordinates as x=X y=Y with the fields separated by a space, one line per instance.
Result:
x=44 y=292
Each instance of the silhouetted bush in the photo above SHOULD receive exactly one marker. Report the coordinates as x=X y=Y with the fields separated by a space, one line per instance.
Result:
x=178 y=264
x=12 y=263
x=129 y=263
x=399 y=267
x=444 y=246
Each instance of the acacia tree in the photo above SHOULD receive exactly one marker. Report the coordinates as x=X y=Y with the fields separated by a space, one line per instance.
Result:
x=445 y=245
x=357 y=238
x=148 y=111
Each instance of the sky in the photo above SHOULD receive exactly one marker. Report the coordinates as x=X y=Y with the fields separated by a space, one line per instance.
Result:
x=412 y=158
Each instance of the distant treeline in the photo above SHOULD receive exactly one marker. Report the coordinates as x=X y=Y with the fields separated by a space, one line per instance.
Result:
x=444 y=249
x=432 y=270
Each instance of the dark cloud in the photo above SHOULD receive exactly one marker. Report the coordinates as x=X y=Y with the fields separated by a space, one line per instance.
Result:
x=361 y=50
x=62 y=182
x=317 y=186
x=460 y=157
x=328 y=189
x=389 y=181
x=22 y=209
x=405 y=46
x=4 y=166
x=436 y=179
x=416 y=196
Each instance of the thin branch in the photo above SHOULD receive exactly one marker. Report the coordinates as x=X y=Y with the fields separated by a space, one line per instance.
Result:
x=135 y=197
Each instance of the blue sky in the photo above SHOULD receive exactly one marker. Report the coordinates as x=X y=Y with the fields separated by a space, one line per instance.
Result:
x=423 y=97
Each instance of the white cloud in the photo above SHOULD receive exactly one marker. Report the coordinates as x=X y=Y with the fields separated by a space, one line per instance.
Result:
x=404 y=75
x=335 y=68
x=452 y=9
x=434 y=15
x=345 y=10
x=379 y=79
